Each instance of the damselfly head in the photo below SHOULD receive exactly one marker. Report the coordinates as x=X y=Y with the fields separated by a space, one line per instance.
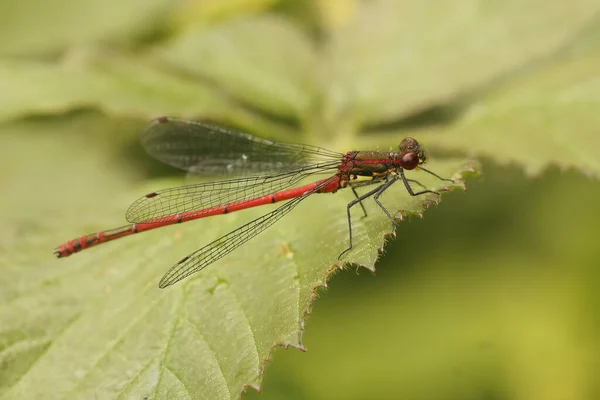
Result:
x=410 y=155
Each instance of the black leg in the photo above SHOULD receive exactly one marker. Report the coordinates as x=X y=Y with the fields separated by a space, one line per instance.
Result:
x=382 y=189
x=357 y=184
x=409 y=189
x=350 y=205
x=417 y=182
x=361 y=204
x=378 y=191
x=436 y=175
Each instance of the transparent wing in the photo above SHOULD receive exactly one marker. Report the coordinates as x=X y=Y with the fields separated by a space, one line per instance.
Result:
x=219 y=248
x=160 y=205
x=203 y=148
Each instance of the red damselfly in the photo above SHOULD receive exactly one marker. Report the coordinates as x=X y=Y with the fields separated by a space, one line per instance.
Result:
x=268 y=172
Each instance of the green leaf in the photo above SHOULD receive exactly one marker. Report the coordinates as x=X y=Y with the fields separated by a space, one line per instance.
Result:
x=264 y=61
x=116 y=85
x=37 y=27
x=96 y=324
x=390 y=58
x=549 y=114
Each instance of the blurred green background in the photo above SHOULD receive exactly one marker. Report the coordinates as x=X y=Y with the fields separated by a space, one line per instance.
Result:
x=492 y=295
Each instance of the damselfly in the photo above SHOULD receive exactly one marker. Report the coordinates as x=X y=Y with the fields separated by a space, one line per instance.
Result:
x=268 y=172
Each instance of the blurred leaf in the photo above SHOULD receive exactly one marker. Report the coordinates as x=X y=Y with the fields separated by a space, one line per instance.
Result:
x=198 y=12
x=264 y=61
x=96 y=325
x=115 y=84
x=40 y=27
x=548 y=115
x=396 y=57
x=119 y=86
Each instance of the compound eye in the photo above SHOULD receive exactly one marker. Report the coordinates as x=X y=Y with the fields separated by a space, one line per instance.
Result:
x=409 y=161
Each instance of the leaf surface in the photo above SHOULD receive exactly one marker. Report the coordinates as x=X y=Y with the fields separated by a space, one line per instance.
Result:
x=100 y=315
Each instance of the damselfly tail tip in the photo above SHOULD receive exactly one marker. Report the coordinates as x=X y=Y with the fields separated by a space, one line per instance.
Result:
x=58 y=253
